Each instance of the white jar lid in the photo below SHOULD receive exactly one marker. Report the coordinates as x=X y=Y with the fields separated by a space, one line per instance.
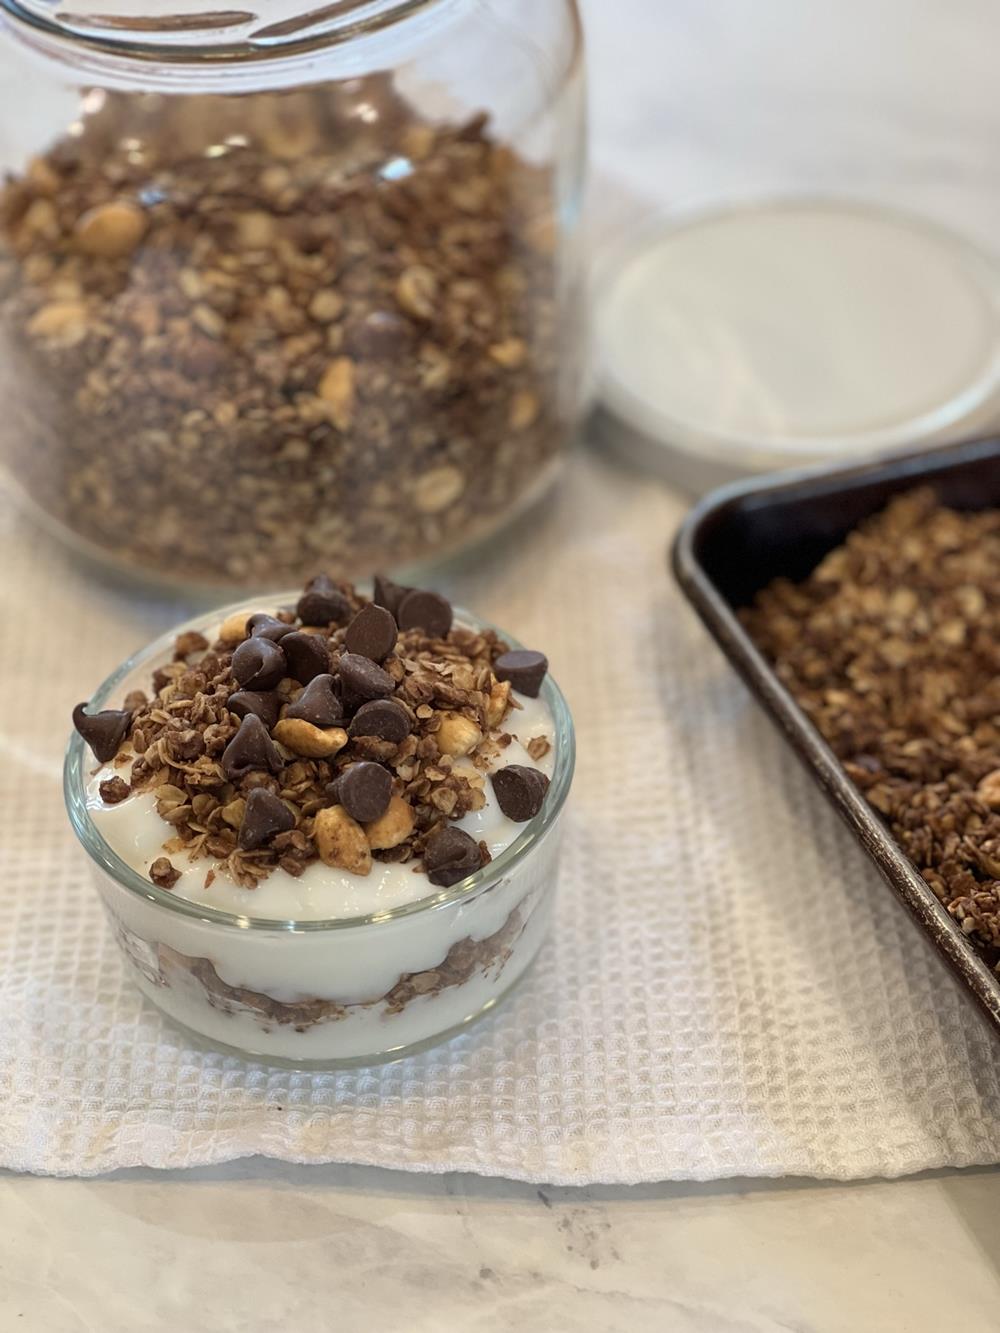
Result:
x=791 y=332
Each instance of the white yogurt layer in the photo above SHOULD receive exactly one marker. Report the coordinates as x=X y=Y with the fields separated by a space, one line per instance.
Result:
x=135 y=831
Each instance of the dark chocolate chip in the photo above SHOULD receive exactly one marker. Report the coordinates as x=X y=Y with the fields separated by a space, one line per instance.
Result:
x=322 y=603
x=372 y=633
x=264 y=816
x=265 y=704
x=251 y=748
x=318 y=703
x=428 y=611
x=264 y=626
x=258 y=664
x=389 y=594
x=520 y=791
x=451 y=855
x=361 y=679
x=524 y=669
x=308 y=656
x=386 y=719
x=364 y=790
x=103 y=732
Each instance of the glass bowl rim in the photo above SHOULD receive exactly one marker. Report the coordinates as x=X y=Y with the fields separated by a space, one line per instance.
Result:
x=75 y=777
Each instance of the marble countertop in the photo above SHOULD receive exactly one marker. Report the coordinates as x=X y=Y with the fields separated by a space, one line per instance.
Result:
x=693 y=101
x=261 y=1247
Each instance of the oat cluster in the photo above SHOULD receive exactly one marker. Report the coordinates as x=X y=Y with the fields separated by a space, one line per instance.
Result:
x=892 y=648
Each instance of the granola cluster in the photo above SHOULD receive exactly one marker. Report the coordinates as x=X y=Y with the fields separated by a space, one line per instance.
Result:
x=345 y=730
x=278 y=331
x=892 y=647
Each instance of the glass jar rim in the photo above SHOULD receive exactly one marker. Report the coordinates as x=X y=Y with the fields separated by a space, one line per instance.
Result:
x=75 y=777
x=240 y=39
x=240 y=36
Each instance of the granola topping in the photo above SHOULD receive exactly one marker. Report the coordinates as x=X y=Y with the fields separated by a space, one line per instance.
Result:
x=892 y=647
x=249 y=771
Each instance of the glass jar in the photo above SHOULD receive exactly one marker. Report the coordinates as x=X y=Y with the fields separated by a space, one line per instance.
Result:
x=288 y=294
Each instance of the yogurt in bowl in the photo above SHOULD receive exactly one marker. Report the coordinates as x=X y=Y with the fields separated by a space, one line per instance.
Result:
x=325 y=830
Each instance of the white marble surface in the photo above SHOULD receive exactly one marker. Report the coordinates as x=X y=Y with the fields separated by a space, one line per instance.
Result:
x=262 y=1248
x=694 y=100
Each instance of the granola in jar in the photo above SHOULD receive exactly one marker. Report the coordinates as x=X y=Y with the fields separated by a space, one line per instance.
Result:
x=245 y=337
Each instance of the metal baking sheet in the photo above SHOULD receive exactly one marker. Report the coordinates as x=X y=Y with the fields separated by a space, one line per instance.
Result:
x=741 y=537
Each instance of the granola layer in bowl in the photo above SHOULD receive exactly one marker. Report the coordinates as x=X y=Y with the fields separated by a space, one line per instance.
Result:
x=325 y=827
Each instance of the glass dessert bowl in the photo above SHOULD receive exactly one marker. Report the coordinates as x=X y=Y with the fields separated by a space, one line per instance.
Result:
x=333 y=852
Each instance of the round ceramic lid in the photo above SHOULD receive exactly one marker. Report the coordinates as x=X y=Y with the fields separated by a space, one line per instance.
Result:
x=791 y=332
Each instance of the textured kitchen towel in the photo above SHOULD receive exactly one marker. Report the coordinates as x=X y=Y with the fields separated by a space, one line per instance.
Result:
x=728 y=987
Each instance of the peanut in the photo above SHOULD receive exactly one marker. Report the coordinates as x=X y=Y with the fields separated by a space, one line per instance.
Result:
x=496 y=709
x=417 y=290
x=438 y=488
x=111 y=231
x=326 y=305
x=341 y=841
x=510 y=353
x=336 y=389
x=988 y=790
x=312 y=742
x=58 y=319
x=234 y=628
x=457 y=734
x=392 y=828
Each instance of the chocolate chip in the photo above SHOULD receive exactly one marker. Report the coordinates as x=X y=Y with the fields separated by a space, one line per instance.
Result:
x=361 y=679
x=428 y=611
x=364 y=790
x=524 y=669
x=318 y=703
x=251 y=748
x=103 y=732
x=389 y=594
x=264 y=626
x=322 y=603
x=308 y=656
x=372 y=633
x=265 y=704
x=451 y=855
x=114 y=790
x=520 y=791
x=134 y=700
x=162 y=872
x=386 y=719
x=258 y=664
x=264 y=816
